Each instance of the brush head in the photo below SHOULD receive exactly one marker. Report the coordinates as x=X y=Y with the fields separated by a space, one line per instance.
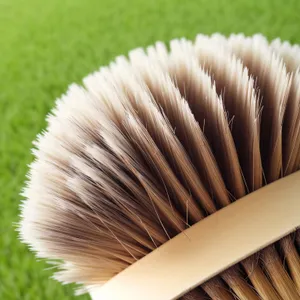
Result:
x=154 y=143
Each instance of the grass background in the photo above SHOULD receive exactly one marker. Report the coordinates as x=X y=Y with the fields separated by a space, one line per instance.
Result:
x=46 y=45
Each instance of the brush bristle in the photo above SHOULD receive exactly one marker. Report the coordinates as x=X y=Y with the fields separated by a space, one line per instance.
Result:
x=155 y=142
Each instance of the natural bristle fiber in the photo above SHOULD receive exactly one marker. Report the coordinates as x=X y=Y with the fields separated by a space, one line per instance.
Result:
x=154 y=143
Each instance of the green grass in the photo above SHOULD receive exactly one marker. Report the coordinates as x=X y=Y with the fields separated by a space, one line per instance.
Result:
x=46 y=45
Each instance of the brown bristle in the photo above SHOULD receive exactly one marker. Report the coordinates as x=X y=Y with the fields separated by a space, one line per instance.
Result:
x=154 y=143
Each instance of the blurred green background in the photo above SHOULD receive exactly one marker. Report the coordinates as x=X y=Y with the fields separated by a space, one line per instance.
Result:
x=46 y=45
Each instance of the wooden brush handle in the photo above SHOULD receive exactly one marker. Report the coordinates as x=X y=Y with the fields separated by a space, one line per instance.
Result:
x=210 y=246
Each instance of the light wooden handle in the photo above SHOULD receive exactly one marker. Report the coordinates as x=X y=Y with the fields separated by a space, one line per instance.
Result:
x=210 y=246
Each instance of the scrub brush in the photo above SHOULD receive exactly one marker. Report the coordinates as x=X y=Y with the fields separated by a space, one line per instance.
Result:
x=156 y=142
